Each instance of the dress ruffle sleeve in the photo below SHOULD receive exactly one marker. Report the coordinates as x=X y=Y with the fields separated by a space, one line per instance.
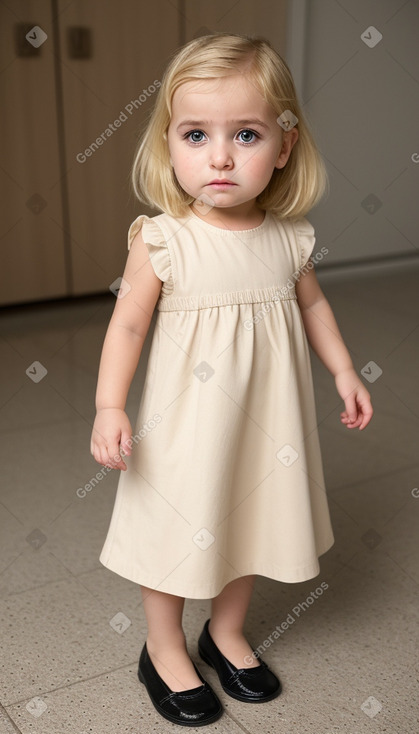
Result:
x=157 y=249
x=304 y=232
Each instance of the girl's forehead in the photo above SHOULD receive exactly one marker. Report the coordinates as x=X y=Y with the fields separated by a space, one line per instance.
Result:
x=234 y=90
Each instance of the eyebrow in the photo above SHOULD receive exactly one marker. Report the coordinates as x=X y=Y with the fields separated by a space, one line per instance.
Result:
x=200 y=123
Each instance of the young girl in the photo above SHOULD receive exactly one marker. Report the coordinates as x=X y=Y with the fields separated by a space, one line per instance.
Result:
x=223 y=475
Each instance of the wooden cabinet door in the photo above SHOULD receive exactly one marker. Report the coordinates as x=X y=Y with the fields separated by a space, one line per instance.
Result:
x=107 y=97
x=33 y=264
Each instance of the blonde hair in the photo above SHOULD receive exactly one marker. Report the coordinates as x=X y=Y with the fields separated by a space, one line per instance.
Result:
x=293 y=190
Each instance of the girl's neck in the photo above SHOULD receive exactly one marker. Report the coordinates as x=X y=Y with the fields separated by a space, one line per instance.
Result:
x=246 y=216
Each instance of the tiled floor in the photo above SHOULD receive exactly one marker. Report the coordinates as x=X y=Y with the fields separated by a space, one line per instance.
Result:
x=348 y=660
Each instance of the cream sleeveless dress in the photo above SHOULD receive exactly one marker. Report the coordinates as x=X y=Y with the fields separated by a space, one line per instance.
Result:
x=225 y=478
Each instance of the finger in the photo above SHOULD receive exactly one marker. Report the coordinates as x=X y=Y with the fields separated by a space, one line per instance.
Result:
x=103 y=456
x=353 y=422
x=351 y=413
x=114 y=450
x=366 y=417
x=116 y=458
x=365 y=410
x=125 y=438
x=356 y=423
x=96 y=448
x=351 y=409
x=116 y=454
x=120 y=463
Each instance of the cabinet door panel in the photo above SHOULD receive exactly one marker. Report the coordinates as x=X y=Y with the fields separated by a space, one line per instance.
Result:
x=32 y=243
x=130 y=46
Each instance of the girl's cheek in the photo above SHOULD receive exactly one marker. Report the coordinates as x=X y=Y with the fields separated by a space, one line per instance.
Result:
x=189 y=167
x=251 y=166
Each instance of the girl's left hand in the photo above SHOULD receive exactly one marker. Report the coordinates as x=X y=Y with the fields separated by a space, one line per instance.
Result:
x=358 y=409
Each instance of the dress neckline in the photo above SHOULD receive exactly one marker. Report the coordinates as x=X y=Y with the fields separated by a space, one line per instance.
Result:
x=223 y=231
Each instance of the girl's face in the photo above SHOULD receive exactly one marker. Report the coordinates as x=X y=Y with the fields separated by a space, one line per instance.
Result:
x=223 y=129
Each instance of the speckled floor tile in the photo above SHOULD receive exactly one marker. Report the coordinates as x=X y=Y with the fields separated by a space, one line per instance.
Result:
x=106 y=704
x=6 y=725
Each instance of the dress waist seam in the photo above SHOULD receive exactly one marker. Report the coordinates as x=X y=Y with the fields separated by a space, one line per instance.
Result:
x=210 y=300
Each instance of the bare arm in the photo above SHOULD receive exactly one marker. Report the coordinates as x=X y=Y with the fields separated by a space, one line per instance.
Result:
x=121 y=352
x=326 y=340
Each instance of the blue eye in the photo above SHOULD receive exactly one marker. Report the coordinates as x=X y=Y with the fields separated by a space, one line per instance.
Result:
x=247 y=133
x=194 y=139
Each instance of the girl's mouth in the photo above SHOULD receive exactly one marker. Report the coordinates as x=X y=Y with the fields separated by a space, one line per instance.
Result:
x=221 y=184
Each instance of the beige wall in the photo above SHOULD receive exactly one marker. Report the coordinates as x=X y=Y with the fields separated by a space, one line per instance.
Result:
x=363 y=103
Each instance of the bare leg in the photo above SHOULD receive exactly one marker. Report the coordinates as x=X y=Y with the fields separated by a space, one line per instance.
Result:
x=228 y=615
x=166 y=643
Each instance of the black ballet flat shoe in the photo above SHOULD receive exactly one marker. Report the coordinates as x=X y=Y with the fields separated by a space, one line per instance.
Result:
x=252 y=685
x=194 y=707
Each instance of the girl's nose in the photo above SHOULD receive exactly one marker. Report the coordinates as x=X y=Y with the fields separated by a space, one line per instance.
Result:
x=220 y=156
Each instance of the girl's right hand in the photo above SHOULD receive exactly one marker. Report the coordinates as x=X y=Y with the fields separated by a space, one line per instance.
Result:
x=111 y=430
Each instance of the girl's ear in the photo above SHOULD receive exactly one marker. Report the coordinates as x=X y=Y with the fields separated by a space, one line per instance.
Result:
x=289 y=139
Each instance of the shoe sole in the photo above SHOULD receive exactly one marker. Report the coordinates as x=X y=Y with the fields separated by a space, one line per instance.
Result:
x=173 y=719
x=237 y=695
